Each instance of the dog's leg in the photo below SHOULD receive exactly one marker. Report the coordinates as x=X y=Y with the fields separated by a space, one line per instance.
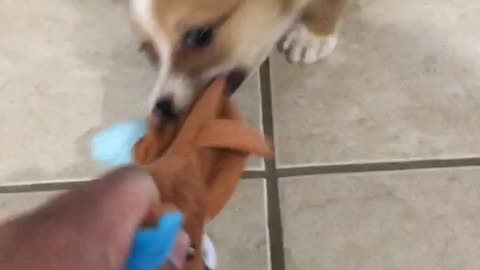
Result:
x=314 y=37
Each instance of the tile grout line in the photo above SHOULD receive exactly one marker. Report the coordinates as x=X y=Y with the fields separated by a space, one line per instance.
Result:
x=42 y=187
x=45 y=186
x=274 y=219
x=282 y=172
x=389 y=166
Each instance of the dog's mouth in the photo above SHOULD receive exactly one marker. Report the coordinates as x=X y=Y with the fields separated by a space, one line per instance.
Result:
x=165 y=109
x=235 y=77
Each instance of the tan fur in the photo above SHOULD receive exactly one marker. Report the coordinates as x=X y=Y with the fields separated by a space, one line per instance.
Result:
x=243 y=25
x=321 y=16
x=246 y=31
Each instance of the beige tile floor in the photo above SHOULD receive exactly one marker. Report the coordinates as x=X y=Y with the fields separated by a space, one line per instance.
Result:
x=377 y=148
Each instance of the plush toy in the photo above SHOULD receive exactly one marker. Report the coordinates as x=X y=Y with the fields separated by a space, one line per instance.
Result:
x=196 y=161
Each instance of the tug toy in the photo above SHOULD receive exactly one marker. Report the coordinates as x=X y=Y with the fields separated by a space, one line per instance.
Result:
x=196 y=161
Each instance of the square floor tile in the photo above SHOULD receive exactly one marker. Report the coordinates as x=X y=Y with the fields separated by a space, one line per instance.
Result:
x=13 y=204
x=249 y=102
x=402 y=84
x=240 y=232
x=425 y=219
x=67 y=69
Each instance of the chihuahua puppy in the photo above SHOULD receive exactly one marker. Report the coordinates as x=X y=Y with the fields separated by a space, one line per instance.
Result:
x=195 y=41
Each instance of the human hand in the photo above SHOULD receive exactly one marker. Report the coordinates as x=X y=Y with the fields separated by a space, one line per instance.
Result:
x=92 y=227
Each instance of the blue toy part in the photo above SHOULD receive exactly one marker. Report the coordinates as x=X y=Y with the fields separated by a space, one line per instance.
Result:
x=112 y=147
x=151 y=248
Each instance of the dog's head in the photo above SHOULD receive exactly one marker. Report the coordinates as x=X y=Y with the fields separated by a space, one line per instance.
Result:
x=197 y=40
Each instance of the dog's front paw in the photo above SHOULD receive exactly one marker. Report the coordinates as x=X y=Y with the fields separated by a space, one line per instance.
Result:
x=303 y=46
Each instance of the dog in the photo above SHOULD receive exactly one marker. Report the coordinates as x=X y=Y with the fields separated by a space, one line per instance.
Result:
x=194 y=41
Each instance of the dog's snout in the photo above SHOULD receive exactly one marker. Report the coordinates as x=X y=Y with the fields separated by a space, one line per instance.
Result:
x=235 y=78
x=165 y=109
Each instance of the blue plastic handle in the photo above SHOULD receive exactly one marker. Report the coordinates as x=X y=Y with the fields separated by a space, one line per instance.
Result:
x=152 y=247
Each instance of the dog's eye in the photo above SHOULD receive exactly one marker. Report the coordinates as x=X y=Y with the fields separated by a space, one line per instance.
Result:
x=198 y=38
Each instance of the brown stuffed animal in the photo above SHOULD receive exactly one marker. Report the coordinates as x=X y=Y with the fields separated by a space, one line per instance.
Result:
x=198 y=160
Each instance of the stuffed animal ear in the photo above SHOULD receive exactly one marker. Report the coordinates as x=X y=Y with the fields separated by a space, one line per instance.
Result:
x=206 y=108
x=232 y=135
x=154 y=143
x=222 y=186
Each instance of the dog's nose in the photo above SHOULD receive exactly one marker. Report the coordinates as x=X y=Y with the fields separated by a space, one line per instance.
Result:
x=164 y=109
x=235 y=78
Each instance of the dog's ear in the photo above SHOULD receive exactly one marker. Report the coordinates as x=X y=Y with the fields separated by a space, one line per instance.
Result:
x=232 y=135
